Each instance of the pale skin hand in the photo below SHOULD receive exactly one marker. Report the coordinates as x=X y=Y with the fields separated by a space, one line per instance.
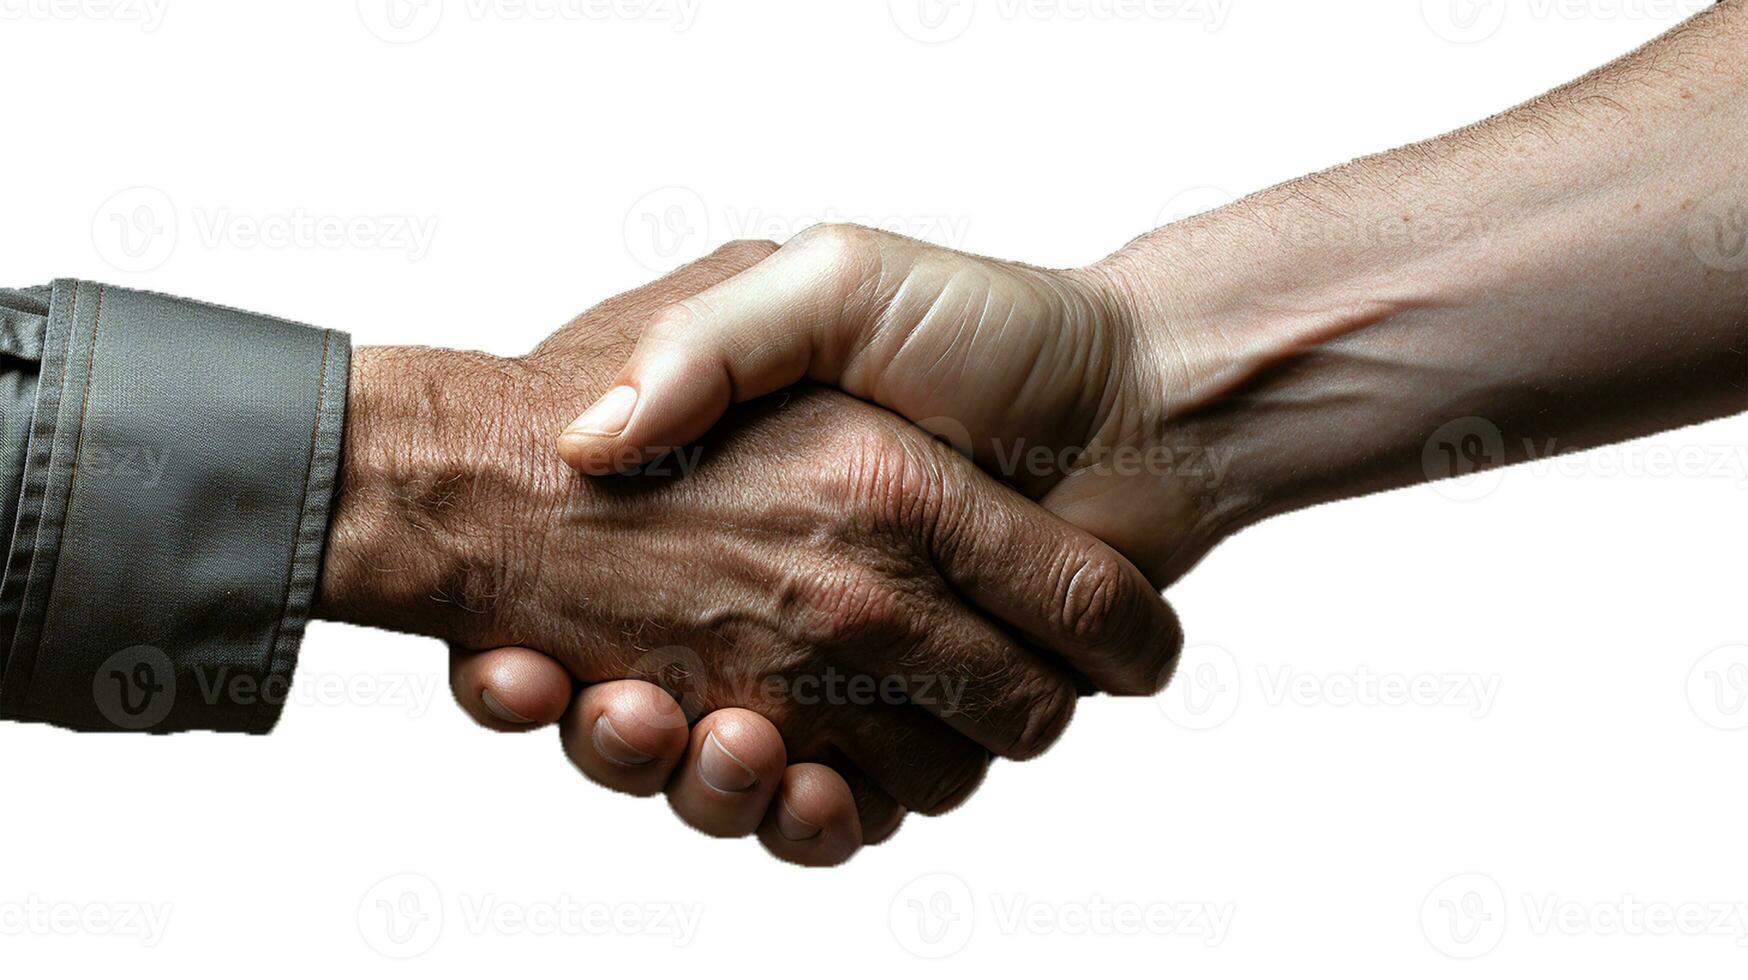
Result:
x=1571 y=270
x=819 y=539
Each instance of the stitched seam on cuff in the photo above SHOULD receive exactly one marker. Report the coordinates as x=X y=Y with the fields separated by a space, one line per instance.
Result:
x=72 y=486
x=309 y=530
x=21 y=559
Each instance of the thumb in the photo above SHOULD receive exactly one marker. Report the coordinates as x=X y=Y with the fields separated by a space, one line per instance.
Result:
x=801 y=313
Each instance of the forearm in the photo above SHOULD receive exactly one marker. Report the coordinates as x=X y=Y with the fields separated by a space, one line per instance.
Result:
x=425 y=458
x=1556 y=271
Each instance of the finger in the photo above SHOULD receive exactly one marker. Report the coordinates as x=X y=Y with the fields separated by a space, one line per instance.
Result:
x=626 y=735
x=731 y=771
x=913 y=756
x=876 y=810
x=510 y=689
x=1057 y=585
x=982 y=685
x=800 y=313
x=812 y=821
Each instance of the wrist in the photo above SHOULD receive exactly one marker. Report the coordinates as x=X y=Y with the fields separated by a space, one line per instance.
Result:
x=413 y=545
x=1270 y=341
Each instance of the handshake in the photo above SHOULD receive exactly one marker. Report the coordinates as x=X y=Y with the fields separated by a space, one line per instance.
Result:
x=810 y=613
x=840 y=522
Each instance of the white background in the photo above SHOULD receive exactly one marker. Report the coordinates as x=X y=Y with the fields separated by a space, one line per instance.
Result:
x=1575 y=754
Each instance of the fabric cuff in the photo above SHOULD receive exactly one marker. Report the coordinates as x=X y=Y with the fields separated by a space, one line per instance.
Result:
x=177 y=487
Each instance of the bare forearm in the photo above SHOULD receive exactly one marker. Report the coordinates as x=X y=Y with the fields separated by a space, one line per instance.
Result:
x=1573 y=272
x=437 y=461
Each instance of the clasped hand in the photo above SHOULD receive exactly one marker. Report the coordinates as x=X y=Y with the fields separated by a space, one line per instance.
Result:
x=804 y=621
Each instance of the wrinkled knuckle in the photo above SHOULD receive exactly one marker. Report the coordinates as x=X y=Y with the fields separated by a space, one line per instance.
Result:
x=1047 y=714
x=835 y=239
x=1096 y=610
x=841 y=253
x=842 y=608
x=889 y=485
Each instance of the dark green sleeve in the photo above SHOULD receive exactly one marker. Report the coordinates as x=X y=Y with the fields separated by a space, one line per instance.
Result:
x=168 y=469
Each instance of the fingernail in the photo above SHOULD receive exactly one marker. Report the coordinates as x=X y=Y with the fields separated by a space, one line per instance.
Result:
x=615 y=748
x=720 y=770
x=497 y=708
x=793 y=827
x=607 y=417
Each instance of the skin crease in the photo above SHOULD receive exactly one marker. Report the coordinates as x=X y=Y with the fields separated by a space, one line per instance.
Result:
x=818 y=537
x=1546 y=270
x=1561 y=273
